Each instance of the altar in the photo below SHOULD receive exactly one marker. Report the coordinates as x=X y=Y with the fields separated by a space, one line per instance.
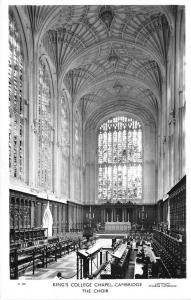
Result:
x=117 y=226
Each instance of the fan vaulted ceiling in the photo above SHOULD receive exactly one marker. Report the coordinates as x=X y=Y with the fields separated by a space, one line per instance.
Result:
x=105 y=55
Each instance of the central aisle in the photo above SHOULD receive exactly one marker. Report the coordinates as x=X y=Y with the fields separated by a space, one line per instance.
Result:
x=131 y=266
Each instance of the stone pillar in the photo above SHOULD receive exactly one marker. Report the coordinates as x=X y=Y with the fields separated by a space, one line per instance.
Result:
x=149 y=162
x=56 y=166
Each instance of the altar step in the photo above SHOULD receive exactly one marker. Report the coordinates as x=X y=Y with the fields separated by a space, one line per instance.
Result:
x=110 y=235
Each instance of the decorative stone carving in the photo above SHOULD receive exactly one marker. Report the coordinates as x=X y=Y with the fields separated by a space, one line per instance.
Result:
x=113 y=58
x=117 y=87
x=106 y=15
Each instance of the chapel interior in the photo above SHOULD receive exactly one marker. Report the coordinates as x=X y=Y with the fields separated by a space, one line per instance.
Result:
x=97 y=185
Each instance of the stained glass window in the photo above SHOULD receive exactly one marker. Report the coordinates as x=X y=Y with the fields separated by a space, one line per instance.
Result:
x=120 y=160
x=45 y=127
x=16 y=101
x=64 y=120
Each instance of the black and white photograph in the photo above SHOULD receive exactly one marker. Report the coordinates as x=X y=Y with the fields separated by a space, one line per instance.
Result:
x=96 y=147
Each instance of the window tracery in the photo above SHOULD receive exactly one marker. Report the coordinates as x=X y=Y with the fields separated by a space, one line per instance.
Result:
x=16 y=101
x=45 y=127
x=120 y=160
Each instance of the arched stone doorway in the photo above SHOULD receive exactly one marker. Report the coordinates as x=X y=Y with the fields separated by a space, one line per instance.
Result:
x=48 y=220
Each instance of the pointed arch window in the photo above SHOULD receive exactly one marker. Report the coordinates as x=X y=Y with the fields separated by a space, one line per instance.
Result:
x=16 y=101
x=120 y=164
x=45 y=127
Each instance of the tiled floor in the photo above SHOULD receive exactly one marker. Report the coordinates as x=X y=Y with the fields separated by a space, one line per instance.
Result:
x=66 y=265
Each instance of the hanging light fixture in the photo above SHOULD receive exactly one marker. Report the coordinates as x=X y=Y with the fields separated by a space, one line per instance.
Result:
x=106 y=15
x=113 y=58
